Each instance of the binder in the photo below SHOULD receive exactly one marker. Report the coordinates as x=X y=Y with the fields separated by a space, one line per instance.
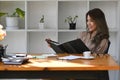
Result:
x=73 y=46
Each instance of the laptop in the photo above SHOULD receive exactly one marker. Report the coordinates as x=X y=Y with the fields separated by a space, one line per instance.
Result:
x=73 y=46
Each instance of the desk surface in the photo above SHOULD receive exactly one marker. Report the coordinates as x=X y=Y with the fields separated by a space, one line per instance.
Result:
x=52 y=63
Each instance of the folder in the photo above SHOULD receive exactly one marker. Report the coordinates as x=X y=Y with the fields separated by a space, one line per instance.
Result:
x=73 y=46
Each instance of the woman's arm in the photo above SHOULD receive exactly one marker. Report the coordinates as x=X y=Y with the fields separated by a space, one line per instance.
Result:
x=102 y=47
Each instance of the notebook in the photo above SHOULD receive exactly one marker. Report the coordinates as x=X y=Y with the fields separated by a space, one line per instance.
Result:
x=73 y=46
x=12 y=60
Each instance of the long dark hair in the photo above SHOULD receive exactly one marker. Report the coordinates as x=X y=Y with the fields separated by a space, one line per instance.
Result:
x=101 y=26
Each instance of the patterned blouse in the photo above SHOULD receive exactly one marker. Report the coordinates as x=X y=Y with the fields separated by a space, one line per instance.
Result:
x=86 y=37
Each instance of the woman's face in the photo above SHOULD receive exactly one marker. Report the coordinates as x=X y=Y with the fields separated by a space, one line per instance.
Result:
x=91 y=24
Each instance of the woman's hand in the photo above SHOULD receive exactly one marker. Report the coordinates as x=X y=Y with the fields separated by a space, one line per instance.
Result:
x=48 y=41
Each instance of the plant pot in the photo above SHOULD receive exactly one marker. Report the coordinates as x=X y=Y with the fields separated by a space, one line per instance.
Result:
x=11 y=22
x=2 y=52
x=41 y=25
x=72 y=25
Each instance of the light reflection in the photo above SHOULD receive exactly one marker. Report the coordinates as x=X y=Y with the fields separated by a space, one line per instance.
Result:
x=55 y=63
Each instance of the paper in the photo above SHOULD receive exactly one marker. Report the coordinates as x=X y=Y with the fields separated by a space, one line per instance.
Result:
x=48 y=55
x=70 y=57
x=41 y=56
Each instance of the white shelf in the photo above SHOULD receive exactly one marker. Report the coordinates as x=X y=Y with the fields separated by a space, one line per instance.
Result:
x=55 y=12
x=37 y=43
x=35 y=9
x=19 y=30
x=9 y=7
x=110 y=8
x=68 y=30
x=16 y=41
x=71 y=8
x=42 y=30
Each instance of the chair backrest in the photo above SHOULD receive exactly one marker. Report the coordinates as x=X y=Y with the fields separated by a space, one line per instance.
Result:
x=106 y=51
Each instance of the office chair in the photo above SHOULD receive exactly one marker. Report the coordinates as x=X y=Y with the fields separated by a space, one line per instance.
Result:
x=106 y=51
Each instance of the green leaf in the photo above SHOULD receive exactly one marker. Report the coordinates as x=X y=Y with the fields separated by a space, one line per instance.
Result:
x=71 y=19
x=42 y=19
x=2 y=14
x=20 y=12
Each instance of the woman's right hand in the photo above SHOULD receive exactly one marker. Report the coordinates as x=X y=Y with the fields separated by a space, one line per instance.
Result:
x=48 y=41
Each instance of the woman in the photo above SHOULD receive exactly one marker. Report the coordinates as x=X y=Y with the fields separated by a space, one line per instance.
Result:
x=96 y=37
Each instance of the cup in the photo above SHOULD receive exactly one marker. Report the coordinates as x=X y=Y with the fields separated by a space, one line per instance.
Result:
x=87 y=54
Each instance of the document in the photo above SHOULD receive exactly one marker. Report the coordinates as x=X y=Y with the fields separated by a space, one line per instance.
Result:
x=70 y=57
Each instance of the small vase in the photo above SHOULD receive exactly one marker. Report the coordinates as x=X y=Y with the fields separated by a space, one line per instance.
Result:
x=41 y=25
x=2 y=52
x=72 y=25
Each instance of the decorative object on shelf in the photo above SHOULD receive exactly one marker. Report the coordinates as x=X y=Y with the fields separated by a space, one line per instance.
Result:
x=72 y=21
x=1 y=51
x=12 y=20
x=41 y=23
x=2 y=33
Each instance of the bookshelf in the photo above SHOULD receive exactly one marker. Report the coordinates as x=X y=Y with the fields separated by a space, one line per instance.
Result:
x=30 y=39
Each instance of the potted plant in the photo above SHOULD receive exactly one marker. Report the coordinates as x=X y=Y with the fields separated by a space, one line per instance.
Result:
x=12 y=19
x=72 y=21
x=41 y=22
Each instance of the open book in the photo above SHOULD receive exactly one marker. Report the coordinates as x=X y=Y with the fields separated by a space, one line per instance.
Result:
x=73 y=46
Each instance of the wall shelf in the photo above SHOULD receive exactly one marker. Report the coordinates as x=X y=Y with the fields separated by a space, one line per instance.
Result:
x=55 y=12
